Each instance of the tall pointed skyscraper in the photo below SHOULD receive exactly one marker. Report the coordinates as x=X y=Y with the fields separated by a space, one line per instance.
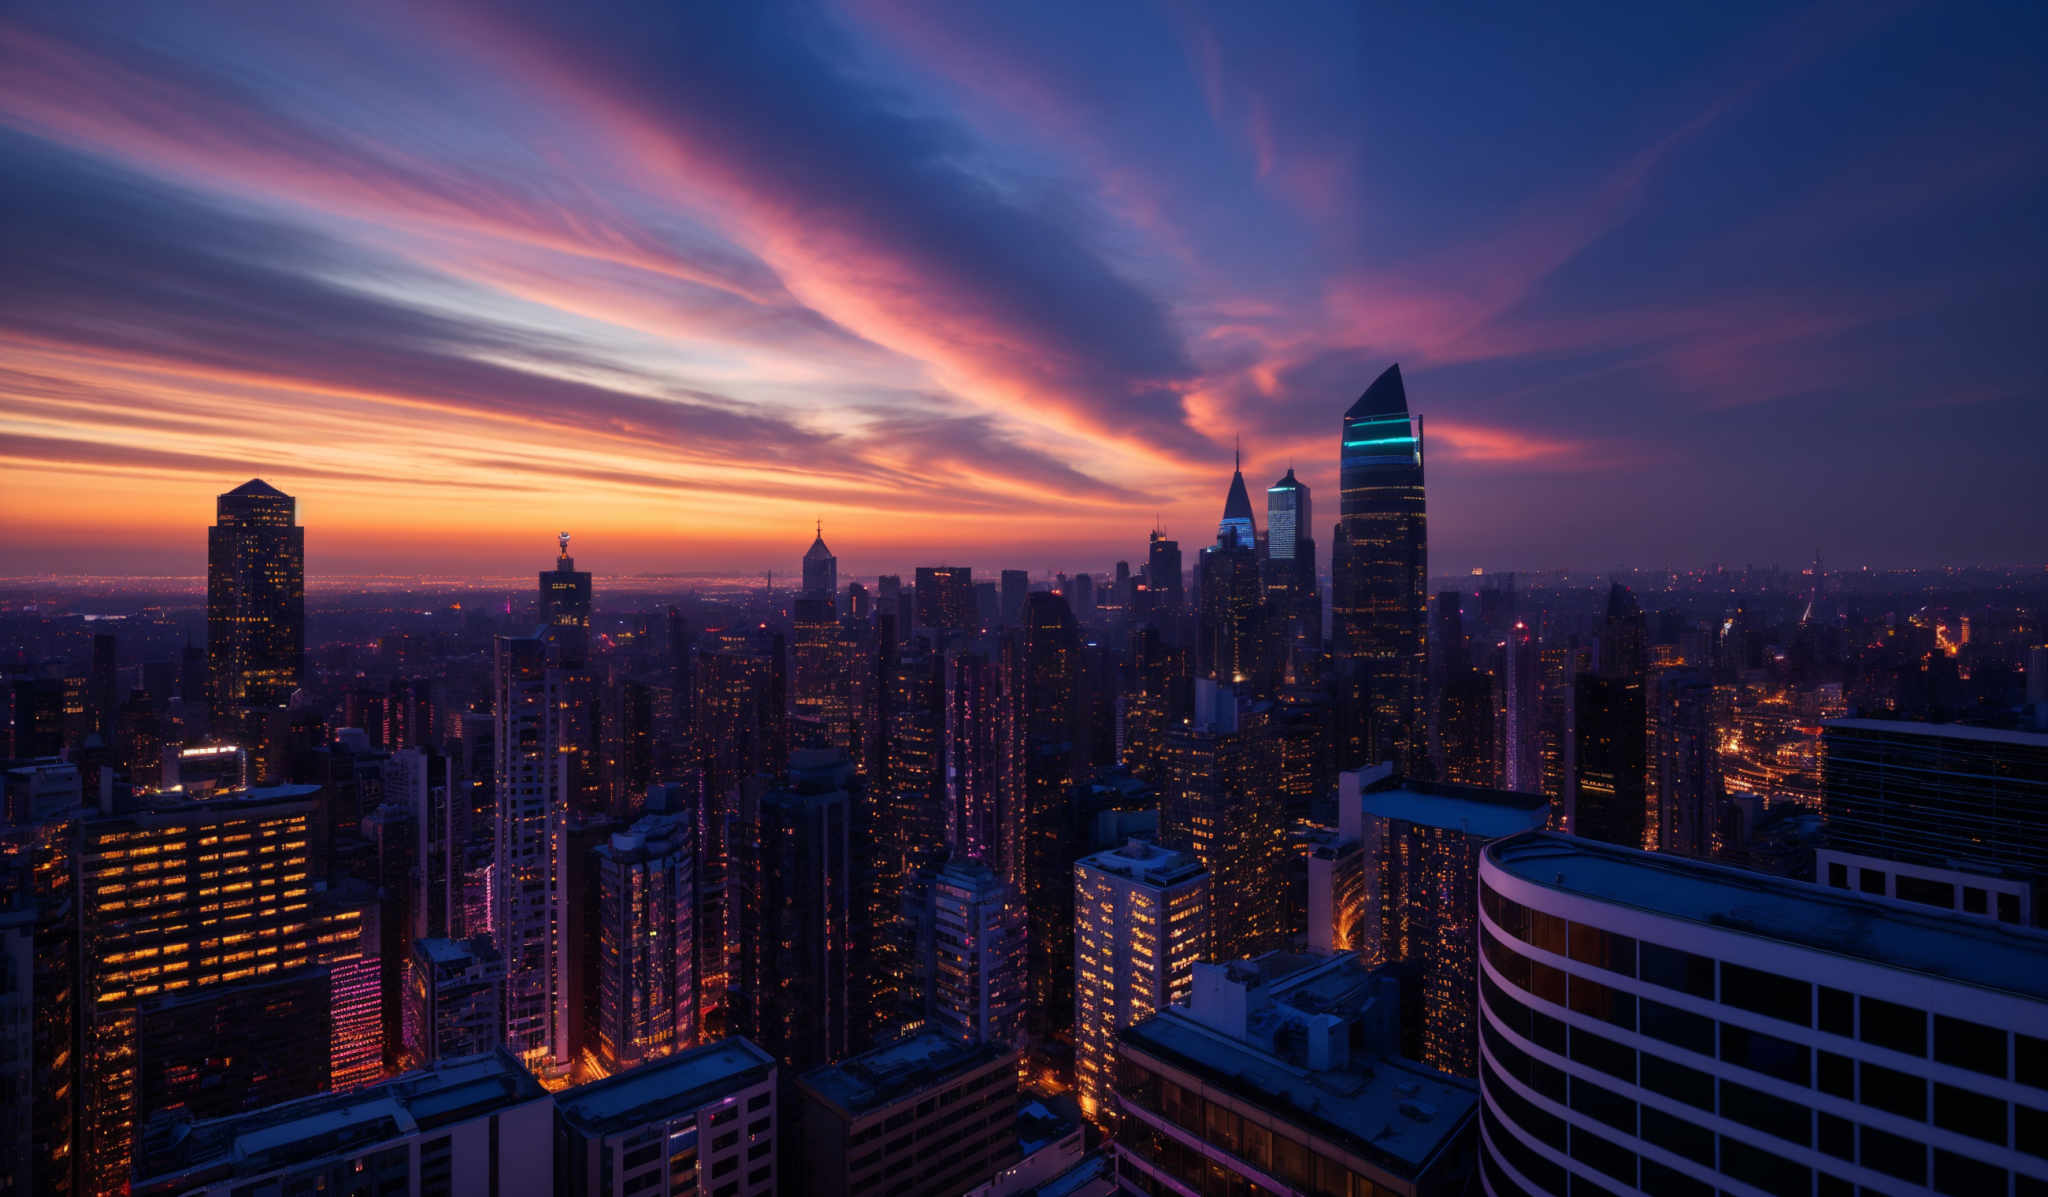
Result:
x=1237 y=526
x=1291 y=563
x=255 y=598
x=821 y=570
x=1379 y=573
x=1233 y=643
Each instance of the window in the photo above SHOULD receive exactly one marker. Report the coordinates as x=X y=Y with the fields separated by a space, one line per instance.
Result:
x=1900 y=1028
x=1680 y=1028
x=1768 y=994
x=1837 y=1136
x=1547 y=982
x=1967 y=1112
x=1547 y=1032
x=1678 y=1136
x=1974 y=900
x=1871 y=881
x=1766 y=1112
x=1546 y=931
x=2030 y=1060
x=1604 y=1155
x=1677 y=1082
x=1970 y=1045
x=1603 y=949
x=1771 y=1173
x=1962 y=1176
x=1925 y=891
x=1661 y=1180
x=1838 y=1012
x=1603 y=1105
x=2030 y=1130
x=1894 y=1156
x=1768 y=1054
x=1605 y=1054
x=1595 y=1000
x=1679 y=970
x=1838 y=874
x=1837 y=1076
x=2008 y=908
x=1893 y=1091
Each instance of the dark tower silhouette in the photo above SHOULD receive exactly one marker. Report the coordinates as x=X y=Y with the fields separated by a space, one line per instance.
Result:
x=255 y=598
x=1609 y=742
x=1379 y=570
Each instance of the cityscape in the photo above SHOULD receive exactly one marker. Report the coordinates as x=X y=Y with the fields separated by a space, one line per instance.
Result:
x=444 y=754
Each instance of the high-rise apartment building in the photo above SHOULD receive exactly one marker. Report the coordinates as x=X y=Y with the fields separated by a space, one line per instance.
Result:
x=1417 y=848
x=453 y=1006
x=255 y=598
x=1222 y=802
x=529 y=882
x=974 y=980
x=1141 y=921
x=1379 y=574
x=1685 y=763
x=1660 y=1024
x=647 y=969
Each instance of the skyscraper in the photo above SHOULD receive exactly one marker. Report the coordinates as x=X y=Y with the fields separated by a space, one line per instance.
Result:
x=975 y=977
x=945 y=598
x=1379 y=570
x=647 y=973
x=1043 y=747
x=255 y=598
x=565 y=607
x=1291 y=587
x=1166 y=581
x=1237 y=527
x=1609 y=754
x=821 y=570
x=528 y=874
x=1234 y=644
x=1223 y=803
x=1142 y=920
x=1685 y=766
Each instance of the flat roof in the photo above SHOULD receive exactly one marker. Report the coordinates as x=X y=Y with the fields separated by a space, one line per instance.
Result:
x=663 y=1088
x=1945 y=731
x=1955 y=947
x=338 y=1124
x=1474 y=810
x=896 y=1070
x=1393 y=1113
x=1144 y=861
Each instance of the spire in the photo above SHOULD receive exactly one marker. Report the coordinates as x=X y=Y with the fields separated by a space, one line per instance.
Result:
x=1385 y=397
x=1237 y=522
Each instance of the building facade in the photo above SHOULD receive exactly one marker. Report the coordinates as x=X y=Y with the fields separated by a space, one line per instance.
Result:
x=255 y=598
x=925 y=1116
x=701 y=1121
x=1658 y=1023
x=646 y=911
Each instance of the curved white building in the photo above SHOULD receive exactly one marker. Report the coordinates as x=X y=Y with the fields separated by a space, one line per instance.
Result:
x=1660 y=1025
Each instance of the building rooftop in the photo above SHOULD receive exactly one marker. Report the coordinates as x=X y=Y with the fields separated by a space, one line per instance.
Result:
x=897 y=1070
x=1959 y=948
x=1946 y=731
x=1146 y=862
x=663 y=1088
x=1475 y=810
x=334 y=1124
x=1388 y=1111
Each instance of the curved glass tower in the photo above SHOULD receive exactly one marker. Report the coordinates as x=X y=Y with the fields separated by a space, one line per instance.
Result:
x=1379 y=571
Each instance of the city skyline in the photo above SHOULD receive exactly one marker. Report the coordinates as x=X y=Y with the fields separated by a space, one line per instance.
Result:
x=1019 y=284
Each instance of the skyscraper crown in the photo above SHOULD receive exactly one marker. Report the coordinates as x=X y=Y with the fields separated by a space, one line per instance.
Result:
x=1385 y=397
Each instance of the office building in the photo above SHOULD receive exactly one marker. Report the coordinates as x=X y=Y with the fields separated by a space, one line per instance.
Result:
x=1141 y=921
x=925 y=1116
x=646 y=965
x=255 y=598
x=1939 y=798
x=1607 y=766
x=529 y=883
x=1044 y=743
x=701 y=1121
x=565 y=603
x=1292 y=591
x=1686 y=797
x=179 y=895
x=1165 y=580
x=1662 y=1024
x=39 y=1013
x=1418 y=846
x=1223 y=803
x=218 y=1050
x=453 y=999
x=1280 y=1074
x=791 y=986
x=1379 y=574
x=481 y=1124
x=1016 y=584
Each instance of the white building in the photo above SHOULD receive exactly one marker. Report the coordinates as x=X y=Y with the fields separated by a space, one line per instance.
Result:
x=1676 y=1027
x=1141 y=921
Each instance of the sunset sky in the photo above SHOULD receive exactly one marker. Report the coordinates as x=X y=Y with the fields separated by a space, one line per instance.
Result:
x=1670 y=284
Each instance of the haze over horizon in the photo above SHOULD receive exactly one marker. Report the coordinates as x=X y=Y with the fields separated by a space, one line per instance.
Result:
x=1668 y=288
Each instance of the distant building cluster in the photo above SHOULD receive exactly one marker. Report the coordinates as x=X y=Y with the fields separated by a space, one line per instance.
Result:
x=1216 y=874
